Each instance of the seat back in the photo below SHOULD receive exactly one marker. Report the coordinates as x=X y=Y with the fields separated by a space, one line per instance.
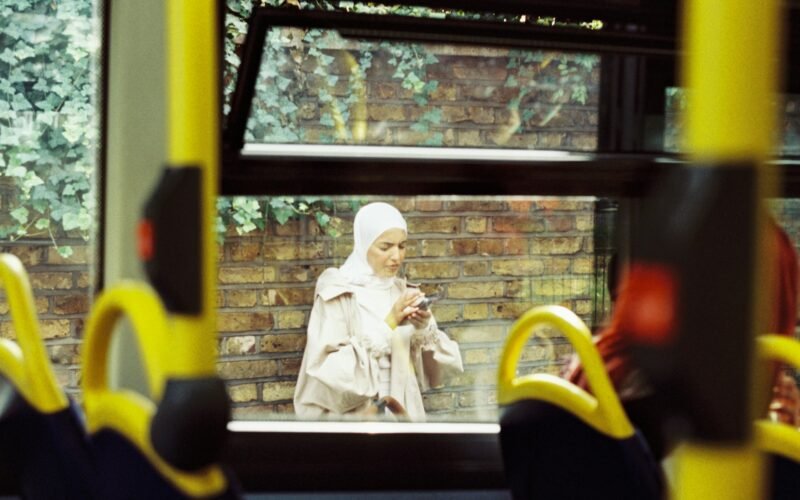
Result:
x=559 y=441
x=43 y=444
x=781 y=442
x=119 y=421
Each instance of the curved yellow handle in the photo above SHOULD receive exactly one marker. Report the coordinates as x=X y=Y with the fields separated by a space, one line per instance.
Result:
x=603 y=411
x=776 y=437
x=27 y=366
x=143 y=308
x=124 y=411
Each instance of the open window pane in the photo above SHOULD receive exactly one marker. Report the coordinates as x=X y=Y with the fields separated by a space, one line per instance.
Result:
x=316 y=87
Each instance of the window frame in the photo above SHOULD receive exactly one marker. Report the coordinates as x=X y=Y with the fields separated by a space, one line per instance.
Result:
x=266 y=457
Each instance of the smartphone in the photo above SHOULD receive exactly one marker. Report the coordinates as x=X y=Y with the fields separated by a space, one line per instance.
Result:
x=427 y=301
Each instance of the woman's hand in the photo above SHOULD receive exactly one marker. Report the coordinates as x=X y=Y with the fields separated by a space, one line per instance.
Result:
x=404 y=308
x=419 y=318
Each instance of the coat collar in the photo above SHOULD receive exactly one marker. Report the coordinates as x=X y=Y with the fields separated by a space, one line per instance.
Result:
x=332 y=283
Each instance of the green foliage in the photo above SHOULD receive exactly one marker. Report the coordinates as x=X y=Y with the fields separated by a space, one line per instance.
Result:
x=316 y=66
x=246 y=214
x=48 y=117
x=48 y=126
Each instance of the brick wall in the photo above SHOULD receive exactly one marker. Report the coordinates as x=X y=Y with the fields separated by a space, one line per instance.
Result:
x=484 y=99
x=490 y=260
x=61 y=287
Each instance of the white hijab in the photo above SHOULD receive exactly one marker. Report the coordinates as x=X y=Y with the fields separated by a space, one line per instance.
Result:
x=371 y=221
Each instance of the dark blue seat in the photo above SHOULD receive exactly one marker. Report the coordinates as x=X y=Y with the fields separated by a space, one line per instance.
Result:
x=559 y=441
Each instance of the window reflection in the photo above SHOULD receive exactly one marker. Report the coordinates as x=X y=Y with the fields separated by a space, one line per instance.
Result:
x=316 y=87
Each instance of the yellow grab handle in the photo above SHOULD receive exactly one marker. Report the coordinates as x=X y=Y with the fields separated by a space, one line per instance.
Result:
x=12 y=365
x=776 y=437
x=126 y=412
x=27 y=366
x=603 y=411
x=144 y=309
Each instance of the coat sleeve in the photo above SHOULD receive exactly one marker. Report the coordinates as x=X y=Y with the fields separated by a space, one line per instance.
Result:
x=435 y=355
x=336 y=375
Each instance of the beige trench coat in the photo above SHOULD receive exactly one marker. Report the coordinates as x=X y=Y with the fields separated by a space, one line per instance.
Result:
x=339 y=375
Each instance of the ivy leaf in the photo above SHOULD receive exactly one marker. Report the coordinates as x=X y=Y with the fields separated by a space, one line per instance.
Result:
x=8 y=56
x=65 y=251
x=420 y=127
x=19 y=103
x=20 y=214
x=69 y=221
x=322 y=218
x=282 y=214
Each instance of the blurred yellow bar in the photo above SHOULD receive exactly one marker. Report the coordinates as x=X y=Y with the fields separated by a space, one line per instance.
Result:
x=730 y=72
x=193 y=124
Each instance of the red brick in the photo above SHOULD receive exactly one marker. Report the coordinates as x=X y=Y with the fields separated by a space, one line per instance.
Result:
x=29 y=255
x=476 y=268
x=429 y=205
x=247 y=251
x=51 y=281
x=288 y=296
x=464 y=247
x=517 y=224
x=55 y=328
x=289 y=367
x=560 y=223
x=475 y=289
x=434 y=248
x=475 y=206
x=559 y=245
x=423 y=270
x=285 y=342
x=243 y=322
x=516 y=246
x=238 y=345
x=230 y=370
x=241 y=298
x=490 y=247
x=418 y=225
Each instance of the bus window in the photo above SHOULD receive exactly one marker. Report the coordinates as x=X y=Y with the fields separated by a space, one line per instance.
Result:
x=317 y=87
x=49 y=122
x=488 y=259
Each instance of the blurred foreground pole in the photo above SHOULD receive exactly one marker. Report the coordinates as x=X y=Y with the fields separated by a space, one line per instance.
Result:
x=730 y=70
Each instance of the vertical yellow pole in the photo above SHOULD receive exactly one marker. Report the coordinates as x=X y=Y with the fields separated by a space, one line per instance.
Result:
x=731 y=70
x=193 y=127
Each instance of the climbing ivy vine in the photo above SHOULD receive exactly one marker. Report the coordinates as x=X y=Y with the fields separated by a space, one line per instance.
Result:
x=48 y=125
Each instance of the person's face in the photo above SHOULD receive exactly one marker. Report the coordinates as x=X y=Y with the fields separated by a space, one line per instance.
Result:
x=386 y=254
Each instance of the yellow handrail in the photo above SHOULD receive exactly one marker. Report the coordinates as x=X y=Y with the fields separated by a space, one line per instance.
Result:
x=124 y=411
x=27 y=365
x=193 y=126
x=603 y=411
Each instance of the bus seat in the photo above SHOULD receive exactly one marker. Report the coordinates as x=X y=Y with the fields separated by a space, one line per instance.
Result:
x=781 y=442
x=557 y=440
x=119 y=421
x=43 y=443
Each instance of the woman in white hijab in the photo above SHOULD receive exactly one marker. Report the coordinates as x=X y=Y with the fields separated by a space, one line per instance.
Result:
x=367 y=337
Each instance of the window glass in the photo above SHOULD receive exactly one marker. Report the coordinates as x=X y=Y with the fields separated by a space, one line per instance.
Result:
x=48 y=162
x=489 y=259
x=316 y=87
x=788 y=131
